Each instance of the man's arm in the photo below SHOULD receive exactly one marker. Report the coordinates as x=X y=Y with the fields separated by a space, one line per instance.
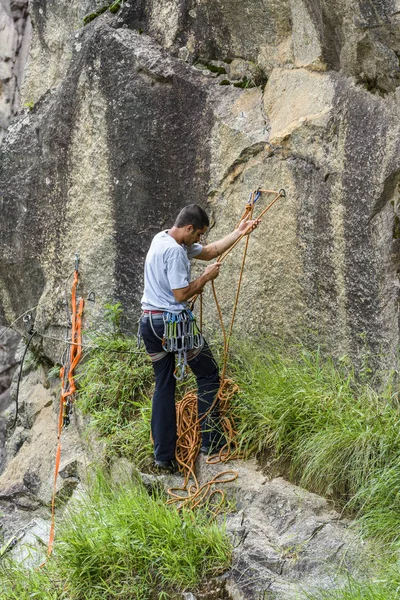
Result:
x=194 y=287
x=219 y=247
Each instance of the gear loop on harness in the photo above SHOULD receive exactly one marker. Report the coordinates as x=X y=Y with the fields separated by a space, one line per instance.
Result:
x=181 y=334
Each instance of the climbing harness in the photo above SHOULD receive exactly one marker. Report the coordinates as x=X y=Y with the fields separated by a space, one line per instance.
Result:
x=193 y=495
x=181 y=334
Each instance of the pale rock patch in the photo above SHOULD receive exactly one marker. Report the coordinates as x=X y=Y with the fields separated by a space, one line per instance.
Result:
x=297 y=97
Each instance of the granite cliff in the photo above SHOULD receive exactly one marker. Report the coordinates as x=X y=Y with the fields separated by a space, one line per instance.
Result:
x=123 y=121
x=111 y=127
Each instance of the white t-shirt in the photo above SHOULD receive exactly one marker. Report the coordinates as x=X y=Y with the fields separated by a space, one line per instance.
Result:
x=167 y=268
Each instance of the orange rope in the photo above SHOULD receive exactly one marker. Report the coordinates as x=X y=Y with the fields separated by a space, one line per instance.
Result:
x=68 y=389
x=193 y=495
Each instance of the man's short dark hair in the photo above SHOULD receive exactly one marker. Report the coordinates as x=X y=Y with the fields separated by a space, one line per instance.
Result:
x=194 y=215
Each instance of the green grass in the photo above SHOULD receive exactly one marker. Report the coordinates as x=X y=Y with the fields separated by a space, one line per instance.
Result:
x=385 y=586
x=114 y=389
x=332 y=432
x=378 y=504
x=336 y=436
x=326 y=430
x=120 y=542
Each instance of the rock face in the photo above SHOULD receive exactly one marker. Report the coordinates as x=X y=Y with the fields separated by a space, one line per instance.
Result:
x=26 y=481
x=128 y=122
x=286 y=541
x=8 y=363
x=15 y=35
x=54 y=27
x=8 y=346
x=166 y=102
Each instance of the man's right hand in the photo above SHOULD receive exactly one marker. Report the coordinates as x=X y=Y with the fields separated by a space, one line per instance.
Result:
x=196 y=286
x=212 y=271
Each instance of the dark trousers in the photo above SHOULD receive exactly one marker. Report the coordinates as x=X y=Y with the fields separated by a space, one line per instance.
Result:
x=163 y=420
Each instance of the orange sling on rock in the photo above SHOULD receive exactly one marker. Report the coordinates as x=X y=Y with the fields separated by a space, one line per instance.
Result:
x=68 y=389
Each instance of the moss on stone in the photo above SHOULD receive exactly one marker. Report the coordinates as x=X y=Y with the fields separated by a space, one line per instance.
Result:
x=244 y=83
x=92 y=16
x=112 y=6
x=115 y=6
x=214 y=68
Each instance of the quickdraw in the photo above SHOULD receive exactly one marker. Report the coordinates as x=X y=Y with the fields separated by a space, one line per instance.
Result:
x=181 y=334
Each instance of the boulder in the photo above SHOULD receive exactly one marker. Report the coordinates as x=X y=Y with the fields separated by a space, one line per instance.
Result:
x=26 y=483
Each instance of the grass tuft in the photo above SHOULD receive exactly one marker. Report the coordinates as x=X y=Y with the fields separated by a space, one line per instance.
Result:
x=378 y=504
x=120 y=542
x=386 y=586
x=115 y=383
x=334 y=434
x=338 y=437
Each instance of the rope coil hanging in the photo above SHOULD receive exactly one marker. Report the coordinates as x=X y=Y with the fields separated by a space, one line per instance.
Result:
x=192 y=494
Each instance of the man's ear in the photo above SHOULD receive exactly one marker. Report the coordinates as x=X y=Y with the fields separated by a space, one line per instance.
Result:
x=190 y=228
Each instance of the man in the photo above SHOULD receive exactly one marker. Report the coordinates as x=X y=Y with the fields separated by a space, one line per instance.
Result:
x=167 y=289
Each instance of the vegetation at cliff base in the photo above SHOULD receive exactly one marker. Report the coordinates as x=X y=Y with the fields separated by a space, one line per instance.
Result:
x=310 y=419
x=334 y=435
x=327 y=429
x=385 y=585
x=114 y=391
x=121 y=542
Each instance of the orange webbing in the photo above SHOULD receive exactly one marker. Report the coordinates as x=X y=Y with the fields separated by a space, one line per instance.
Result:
x=192 y=495
x=68 y=389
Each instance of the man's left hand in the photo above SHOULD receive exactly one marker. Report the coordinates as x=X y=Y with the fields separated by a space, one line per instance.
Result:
x=248 y=225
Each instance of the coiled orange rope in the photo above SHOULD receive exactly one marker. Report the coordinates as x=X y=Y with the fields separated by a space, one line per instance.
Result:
x=192 y=494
